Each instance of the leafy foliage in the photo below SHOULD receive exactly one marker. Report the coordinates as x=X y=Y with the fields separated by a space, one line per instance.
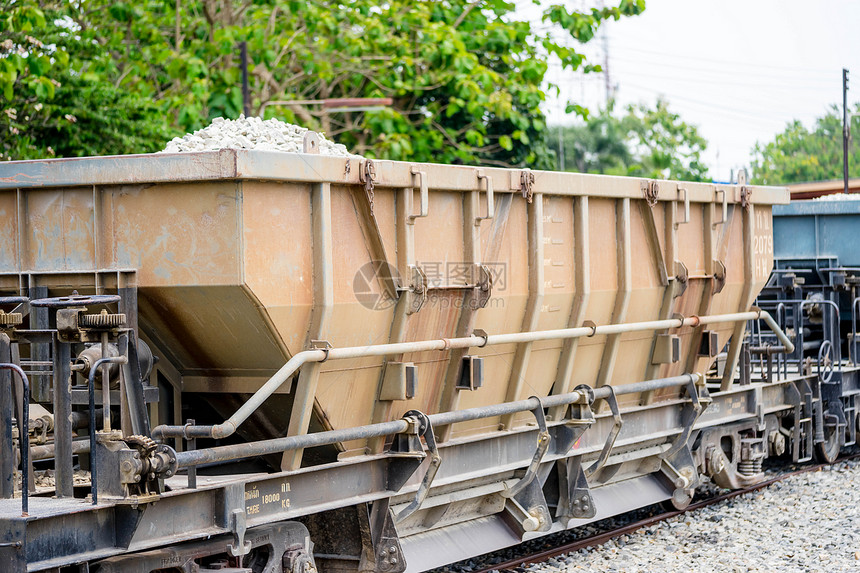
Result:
x=466 y=77
x=651 y=142
x=57 y=98
x=799 y=155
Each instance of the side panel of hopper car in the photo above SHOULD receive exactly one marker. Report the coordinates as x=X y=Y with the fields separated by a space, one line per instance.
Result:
x=226 y=275
x=183 y=242
x=347 y=391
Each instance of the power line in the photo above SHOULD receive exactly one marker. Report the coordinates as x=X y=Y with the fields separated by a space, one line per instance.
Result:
x=732 y=63
x=687 y=80
x=747 y=117
x=727 y=73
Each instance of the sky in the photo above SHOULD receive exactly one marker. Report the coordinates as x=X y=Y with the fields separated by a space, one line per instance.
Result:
x=739 y=70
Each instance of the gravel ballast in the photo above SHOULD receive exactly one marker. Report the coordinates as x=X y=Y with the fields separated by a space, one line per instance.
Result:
x=806 y=523
x=250 y=133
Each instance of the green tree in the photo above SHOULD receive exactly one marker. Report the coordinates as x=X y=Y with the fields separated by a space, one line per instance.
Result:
x=54 y=103
x=799 y=155
x=466 y=77
x=645 y=141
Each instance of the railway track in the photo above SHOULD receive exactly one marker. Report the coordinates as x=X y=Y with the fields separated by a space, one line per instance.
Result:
x=538 y=557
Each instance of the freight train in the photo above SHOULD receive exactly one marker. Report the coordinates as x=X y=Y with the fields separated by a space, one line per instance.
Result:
x=252 y=361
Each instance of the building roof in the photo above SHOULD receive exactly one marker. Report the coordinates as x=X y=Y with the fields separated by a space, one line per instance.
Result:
x=819 y=188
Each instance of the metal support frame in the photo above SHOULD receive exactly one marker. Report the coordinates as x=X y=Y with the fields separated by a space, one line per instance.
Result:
x=533 y=304
x=611 y=400
x=105 y=409
x=747 y=295
x=323 y=281
x=564 y=379
x=424 y=429
x=709 y=228
x=450 y=396
x=64 y=473
x=7 y=413
x=689 y=415
x=208 y=508
x=624 y=253
x=368 y=478
x=40 y=352
x=131 y=394
x=543 y=441
x=800 y=395
x=663 y=262
x=405 y=237
x=276 y=445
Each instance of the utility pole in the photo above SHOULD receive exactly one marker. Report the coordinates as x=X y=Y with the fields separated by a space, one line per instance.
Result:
x=607 y=78
x=606 y=75
x=560 y=133
x=246 y=94
x=560 y=147
x=846 y=130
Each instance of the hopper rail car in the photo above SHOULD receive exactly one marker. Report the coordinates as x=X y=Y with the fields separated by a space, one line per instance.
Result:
x=262 y=362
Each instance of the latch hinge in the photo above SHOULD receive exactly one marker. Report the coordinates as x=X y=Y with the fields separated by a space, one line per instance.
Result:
x=719 y=276
x=367 y=175
x=681 y=278
x=527 y=181
x=417 y=292
x=650 y=190
x=483 y=285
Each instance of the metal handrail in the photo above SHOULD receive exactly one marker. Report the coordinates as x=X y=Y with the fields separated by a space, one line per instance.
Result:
x=229 y=426
x=838 y=326
x=853 y=355
x=24 y=435
x=91 y=380
x=190 y=458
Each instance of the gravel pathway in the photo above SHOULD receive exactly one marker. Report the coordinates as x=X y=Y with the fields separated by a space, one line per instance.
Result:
x=806 y=523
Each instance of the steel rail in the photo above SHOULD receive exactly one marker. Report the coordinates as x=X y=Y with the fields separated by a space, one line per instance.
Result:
x=190 y=458
x=601 y=538
x=229 y=426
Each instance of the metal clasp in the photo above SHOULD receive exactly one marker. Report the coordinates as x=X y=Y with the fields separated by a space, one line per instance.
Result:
x=323 y=345
x=527 y=181
x=424 y=197
x=686 y=208
x=689 y=416
x=651 y=191
x=613 y=435
x=491 y=208
x=542 y=446
x=725 y=208
x=239 y=546
x=367 y=176
x=425 y=429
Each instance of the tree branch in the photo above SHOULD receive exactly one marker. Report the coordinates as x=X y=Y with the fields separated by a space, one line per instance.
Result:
x=465 y=13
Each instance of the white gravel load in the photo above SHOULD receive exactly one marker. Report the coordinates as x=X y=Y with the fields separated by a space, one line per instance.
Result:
x=839 y=197
x=806 y=523
x=251 y=133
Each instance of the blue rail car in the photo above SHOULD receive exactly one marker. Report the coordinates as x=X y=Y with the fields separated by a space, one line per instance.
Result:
x=817 y=264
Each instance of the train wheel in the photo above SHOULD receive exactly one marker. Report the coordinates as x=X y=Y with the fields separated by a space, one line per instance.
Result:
x=828 y=450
